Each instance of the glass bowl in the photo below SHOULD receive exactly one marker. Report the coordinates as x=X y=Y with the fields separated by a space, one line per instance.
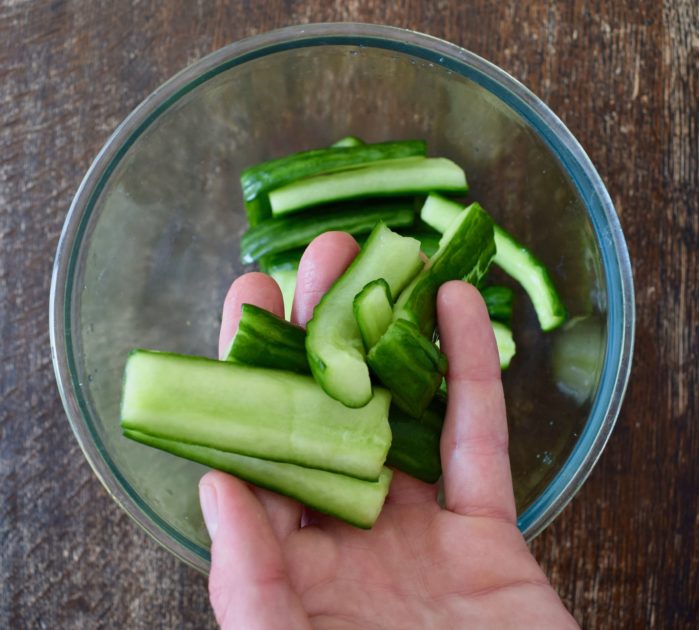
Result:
x=150 y=243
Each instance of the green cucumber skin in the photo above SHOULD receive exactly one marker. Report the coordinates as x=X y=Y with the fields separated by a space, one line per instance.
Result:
x=415 y=451
x=400 y=177
x=352 y=500
x=517 y=261
x=415 y=445
x=373 y=310
x=409 y=365
x=282 y=261
x=278 y=235
x=465 y=250
x=498 y=301
x=333 y=342
x=268 y=341
x=259 y=412
x=258 y=180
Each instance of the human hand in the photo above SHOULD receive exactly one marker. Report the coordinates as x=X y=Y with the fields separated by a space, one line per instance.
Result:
x=277 y=565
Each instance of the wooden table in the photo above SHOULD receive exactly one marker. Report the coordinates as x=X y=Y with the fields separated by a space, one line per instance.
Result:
x=623 y=75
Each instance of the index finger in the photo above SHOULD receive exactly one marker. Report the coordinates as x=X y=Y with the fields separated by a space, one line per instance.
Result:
x=475 y=459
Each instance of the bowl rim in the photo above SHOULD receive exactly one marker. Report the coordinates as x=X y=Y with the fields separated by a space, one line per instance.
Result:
x=560 y=141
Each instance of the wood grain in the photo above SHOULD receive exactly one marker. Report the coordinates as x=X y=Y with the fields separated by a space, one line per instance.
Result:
x=623 y=75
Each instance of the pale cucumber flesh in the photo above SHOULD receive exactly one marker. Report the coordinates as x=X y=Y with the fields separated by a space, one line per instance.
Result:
x=253 y=411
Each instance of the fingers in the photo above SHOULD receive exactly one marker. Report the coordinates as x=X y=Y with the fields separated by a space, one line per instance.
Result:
x=259 y=289
x=251 y=288
x=321 y=264
x=248 y=583
x=475 y=460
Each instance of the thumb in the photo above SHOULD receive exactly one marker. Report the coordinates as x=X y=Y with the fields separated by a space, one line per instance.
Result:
x=248 y=583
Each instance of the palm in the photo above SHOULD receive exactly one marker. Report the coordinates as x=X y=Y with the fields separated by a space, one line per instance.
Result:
x=421 y=565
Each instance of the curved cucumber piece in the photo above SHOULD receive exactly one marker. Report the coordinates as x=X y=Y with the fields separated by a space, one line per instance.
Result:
x=505 y=343
x=466 y=249
x=409 y=364
x=256 y=181
x=355 y=501
x=252 y=411
x=498 y=301
x=408 y=176
x=277 y=235
x=347 y=141
x=513 y=258
x=523 y=266
x=333 y=341
x=265 y=340
x=373 y=310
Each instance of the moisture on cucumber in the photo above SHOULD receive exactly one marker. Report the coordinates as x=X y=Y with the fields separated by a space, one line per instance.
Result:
x=355 y=501
x=278 y=235
x=333 y=341
x=253 y=411
x=265 y=340
x=373 y=310
x=256 y=181
x=407 y=176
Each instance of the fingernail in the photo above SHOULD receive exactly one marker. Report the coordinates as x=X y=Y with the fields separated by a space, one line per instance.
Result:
x=209 y=507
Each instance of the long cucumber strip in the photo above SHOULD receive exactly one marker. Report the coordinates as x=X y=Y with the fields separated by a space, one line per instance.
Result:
x=505 y=342
x=277 y=235
x=373 y=310
x=465 y=250
x=333 y=341
x=258 y=180
x=512 y=257
x=353 y=500
x=518 y=262
x=409 y=365
x=265 y=340
x=258 y=412
x=407 y=176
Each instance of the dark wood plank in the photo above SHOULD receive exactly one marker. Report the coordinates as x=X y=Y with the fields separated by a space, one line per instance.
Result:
x=624 y=78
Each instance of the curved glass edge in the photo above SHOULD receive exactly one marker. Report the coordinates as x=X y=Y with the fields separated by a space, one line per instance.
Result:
x=603 y=216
